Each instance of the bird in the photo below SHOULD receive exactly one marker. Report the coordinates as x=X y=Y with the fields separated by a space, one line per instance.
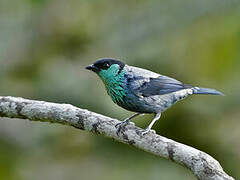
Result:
x=142 y=91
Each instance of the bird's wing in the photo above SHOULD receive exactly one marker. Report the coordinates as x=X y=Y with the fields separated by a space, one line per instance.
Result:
x=153 y=84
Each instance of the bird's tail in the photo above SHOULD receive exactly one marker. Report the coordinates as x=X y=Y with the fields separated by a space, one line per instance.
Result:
x=199 y=90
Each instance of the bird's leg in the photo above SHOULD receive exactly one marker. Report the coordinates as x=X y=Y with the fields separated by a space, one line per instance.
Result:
x=157 y=116
x=120 y=125
x=133 y=116
x=127 y=120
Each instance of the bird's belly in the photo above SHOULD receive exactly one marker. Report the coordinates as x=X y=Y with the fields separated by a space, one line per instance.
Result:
x=160 y=103
x=153 y=104
x=136 y=105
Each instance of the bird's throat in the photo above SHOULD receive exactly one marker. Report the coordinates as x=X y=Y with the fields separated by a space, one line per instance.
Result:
x=114 y=85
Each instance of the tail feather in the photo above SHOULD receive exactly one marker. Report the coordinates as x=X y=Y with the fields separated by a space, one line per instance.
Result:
x=199 y=90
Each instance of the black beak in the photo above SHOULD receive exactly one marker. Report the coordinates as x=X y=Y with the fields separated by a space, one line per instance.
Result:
x=92 y=68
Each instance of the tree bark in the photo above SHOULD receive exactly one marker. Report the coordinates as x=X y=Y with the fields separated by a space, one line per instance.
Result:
x=203 y=166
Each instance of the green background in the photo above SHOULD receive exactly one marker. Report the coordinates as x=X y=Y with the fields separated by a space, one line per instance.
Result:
x=44 y=47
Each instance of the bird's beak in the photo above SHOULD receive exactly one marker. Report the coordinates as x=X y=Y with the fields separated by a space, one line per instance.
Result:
x=92 y=68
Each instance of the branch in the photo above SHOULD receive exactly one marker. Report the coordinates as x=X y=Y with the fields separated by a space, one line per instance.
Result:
x=203 y=166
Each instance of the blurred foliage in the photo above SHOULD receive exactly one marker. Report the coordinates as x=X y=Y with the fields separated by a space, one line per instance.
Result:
x=45 y=46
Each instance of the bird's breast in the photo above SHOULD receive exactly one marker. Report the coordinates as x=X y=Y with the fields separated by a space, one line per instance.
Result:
x=116 y=92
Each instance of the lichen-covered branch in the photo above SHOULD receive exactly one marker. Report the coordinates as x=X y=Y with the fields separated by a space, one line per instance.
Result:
x=201 y=164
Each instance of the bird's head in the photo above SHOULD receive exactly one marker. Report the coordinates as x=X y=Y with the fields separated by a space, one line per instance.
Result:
x=106 y=68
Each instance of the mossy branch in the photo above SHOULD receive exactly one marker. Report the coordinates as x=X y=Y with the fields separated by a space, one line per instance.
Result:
x=203 y=166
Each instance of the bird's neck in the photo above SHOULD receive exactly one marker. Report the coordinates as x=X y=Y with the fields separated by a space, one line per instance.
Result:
x=114 y=85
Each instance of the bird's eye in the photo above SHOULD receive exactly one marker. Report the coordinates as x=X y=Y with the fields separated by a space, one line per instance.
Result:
x=106 y=65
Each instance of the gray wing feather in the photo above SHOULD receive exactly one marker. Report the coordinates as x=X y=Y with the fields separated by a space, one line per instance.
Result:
x=146 y=83
x=159 y=86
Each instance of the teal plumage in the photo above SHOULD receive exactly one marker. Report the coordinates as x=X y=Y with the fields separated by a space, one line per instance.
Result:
x=114 y=83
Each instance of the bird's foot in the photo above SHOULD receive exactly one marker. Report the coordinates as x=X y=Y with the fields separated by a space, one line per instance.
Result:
x=120 y=126
x=146 y=131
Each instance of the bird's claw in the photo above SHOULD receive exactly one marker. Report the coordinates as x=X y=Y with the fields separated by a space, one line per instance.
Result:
x=146 y=131
x=120 y=126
